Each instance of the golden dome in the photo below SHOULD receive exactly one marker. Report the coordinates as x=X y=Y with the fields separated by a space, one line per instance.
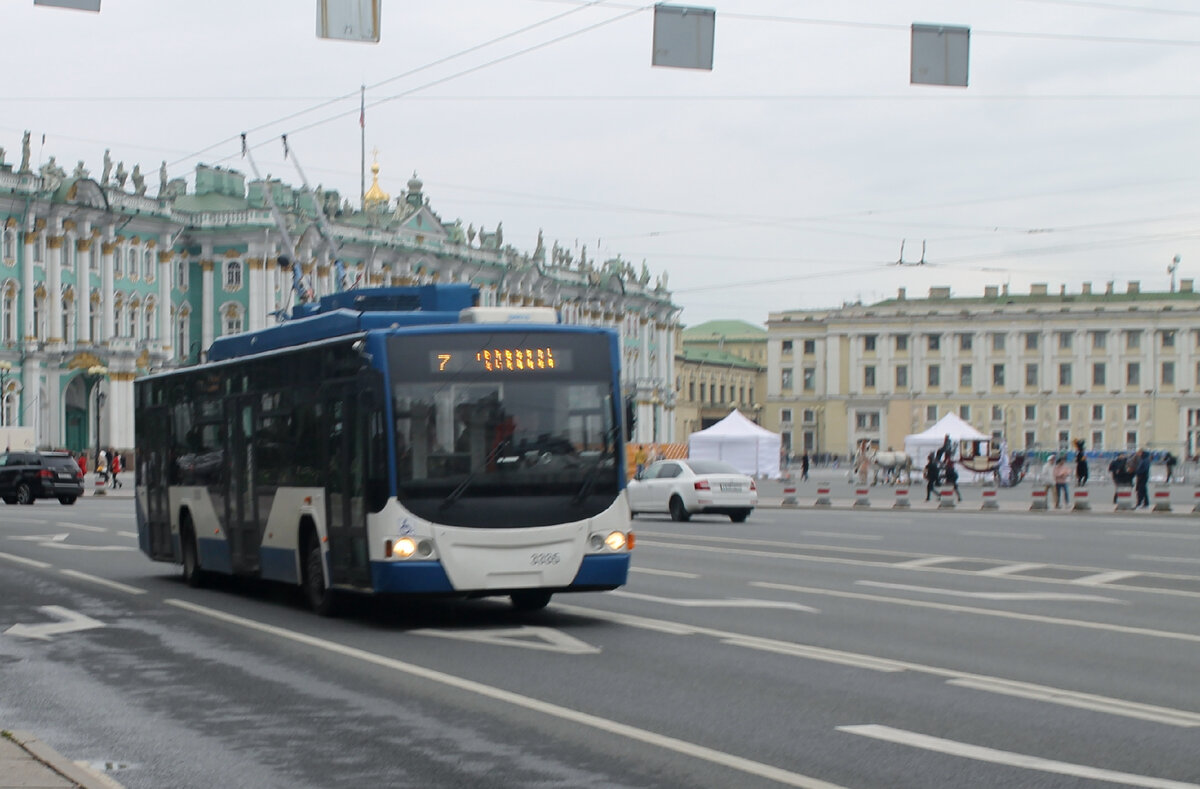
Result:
x=375 y=196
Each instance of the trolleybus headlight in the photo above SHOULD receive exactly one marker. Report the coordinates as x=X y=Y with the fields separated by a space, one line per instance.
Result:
x=424 y=548
x=404 y=547
x=597 y=542
x=615 y=541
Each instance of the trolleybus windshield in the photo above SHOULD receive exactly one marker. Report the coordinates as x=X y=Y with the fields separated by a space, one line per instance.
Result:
x=504 y=429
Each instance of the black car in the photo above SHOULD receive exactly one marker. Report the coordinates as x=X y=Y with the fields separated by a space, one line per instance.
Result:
x=26 y=477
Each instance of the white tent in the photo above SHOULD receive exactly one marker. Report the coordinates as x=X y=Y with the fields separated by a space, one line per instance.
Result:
x=739 y=442
x=919 y=445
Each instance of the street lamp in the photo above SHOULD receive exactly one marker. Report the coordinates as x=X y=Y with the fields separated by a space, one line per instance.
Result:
x=94 y=375
x=5 y=369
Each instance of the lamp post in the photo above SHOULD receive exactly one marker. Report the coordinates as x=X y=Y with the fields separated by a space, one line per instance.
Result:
x=5 y=369
x=94 y=375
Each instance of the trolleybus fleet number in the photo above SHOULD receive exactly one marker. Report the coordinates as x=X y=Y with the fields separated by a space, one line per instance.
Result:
x=544 y=558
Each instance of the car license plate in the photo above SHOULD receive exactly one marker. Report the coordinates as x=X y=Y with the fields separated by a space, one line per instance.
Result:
x=64 y=475
x=730 y=487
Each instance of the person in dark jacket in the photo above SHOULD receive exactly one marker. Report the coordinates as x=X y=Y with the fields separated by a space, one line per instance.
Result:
x=951 y=477
x=1142 y=475
x=931 y=476
x=1120 y=476
x=1081 y=468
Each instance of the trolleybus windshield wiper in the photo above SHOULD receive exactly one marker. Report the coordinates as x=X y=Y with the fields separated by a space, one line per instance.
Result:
x=457 y=493
x=589 y=481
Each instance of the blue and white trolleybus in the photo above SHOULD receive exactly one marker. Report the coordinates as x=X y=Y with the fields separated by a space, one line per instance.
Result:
x=396 y=441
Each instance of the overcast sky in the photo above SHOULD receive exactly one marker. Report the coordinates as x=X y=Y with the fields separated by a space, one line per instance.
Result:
x=787 y=177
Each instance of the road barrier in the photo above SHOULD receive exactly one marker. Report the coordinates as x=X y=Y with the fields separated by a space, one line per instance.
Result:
x=1162 y=499
x=789 y=496
x=989 y=499
x=902 y=498
x=1081 y=501
x=100 y=487
x=823 y=496
x=1197 y=495
x=861 y=497
x=946 y=499
x=1124 y=498
x=1039 y=499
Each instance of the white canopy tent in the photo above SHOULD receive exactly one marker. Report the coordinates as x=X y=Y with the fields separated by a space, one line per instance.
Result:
x=919 y=445
x=736 y=440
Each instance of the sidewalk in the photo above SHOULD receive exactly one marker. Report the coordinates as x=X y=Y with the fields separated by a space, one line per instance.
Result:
x=28 y=763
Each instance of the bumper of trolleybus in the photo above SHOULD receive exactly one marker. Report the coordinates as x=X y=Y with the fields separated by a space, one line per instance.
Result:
x=597 y=572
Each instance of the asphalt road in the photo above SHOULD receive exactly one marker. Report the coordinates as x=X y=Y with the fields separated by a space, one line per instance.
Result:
x=874 y=648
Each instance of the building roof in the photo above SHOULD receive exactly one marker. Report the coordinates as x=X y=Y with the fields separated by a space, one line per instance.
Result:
x=714 y=356
x=726 y=330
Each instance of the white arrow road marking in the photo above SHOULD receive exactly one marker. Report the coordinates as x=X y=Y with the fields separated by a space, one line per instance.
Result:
x=995 y=595
x=1083 y=701
x=994 y=756
x=529 y=637
x=82 y=526
x=41 y=537
x=72 y=621
x=733 y=603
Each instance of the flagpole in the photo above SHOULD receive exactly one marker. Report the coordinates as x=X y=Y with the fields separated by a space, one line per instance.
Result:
x=362 y=166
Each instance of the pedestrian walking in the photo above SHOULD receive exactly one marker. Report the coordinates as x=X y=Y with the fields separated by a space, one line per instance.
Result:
x=951 y=477
x=1170 y=460
x=804 y=463
x=1119 y=473
x=116 y=467
x=1081 y=466
x=931 y=476
x=1141 y=473
x=1062 y=473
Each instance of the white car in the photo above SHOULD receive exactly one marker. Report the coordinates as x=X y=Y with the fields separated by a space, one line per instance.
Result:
x=689 y=487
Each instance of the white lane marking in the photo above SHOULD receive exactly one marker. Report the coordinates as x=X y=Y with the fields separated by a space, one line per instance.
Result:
x=816 y=653
x=1086 y=701
x=526 y=637
x=1168 y=535
x=103 y=582
x=82 y=526
x=1164 y=558
x=1010 y=759
x=1009 y=569
x=1050 y=620
x=928 y=561
x=1003 y=534
x=1045 y=693
x=70 y=622
x=1006 y=596
x=842 y=536
x=947 y=570
x=670 y=573
x=24 y=520
x=132 y=534
x=725 y=603
x=66 y=546
x=526 y=702
x=1105 y=578
x=40 y=537
x=23 y=560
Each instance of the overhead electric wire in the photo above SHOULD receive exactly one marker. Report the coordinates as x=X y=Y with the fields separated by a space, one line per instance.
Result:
x=391 y=79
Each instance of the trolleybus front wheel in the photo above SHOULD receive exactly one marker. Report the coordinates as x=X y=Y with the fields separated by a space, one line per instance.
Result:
x=321 y=599
x=192 y=574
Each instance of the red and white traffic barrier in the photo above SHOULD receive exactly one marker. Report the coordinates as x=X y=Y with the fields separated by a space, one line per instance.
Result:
x=862 y=497
x=901 y=499
x=1125 y=498
x=946 y=499
x=789 y=496
x=1040 y=502
x=1162 y=499
x=1081 y=501
x=989 y=499
x=823 y=496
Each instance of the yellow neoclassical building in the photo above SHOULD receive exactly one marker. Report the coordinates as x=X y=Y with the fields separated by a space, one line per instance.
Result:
x=1117 y=368
x=719 y=366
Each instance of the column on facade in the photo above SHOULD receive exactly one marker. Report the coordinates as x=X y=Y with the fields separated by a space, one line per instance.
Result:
x=206 y=300
x=256 y=299
x=54 y=255
x=28 y=285
x=166 y=336
x=107 y=328
x=83 y=291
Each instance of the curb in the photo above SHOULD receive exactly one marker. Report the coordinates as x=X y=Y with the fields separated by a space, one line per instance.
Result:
x=60 y=764
x=960 y=510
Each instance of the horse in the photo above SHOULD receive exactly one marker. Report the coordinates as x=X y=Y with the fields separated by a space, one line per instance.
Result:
x=895 y=467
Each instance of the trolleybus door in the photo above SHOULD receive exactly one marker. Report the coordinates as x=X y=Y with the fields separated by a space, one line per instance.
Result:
x=153 y=473
x=345 y=484
x=245 y=537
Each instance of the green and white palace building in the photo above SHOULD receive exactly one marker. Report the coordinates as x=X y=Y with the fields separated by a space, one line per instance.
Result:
x=101 y=282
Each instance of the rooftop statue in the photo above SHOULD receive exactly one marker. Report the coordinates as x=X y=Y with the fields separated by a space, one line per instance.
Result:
x=139 y=181
x=162 y=178
x=107 y=168
x=121 y=174
x=24 y=168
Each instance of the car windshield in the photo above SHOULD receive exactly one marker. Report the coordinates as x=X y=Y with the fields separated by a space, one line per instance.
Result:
x=711 y=467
